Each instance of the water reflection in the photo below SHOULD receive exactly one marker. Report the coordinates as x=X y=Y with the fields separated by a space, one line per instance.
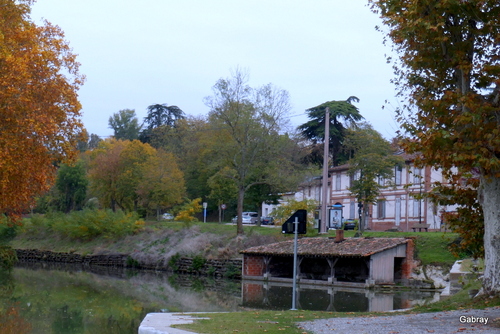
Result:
x=257 y=294
x=43 y=298
x=65 y=299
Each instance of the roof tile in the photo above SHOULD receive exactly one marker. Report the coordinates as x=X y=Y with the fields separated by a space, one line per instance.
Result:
x=327 y=247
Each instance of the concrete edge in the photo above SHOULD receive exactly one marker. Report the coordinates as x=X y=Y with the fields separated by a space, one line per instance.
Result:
x=160 y=323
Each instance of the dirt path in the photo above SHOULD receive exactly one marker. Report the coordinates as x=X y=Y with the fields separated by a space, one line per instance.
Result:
x=462 y=321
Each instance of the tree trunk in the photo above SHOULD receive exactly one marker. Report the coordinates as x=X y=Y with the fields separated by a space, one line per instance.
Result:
x=239 y=221
x=489 y=196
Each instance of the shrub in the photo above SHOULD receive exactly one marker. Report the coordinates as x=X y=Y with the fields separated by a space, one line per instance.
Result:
x=8 y=257
x=188 y=210
x=89 y=223
x=231 y=271
x=172 y=262
x=198 y=263
x=8 y=229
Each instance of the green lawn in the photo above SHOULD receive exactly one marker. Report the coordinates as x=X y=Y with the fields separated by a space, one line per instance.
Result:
x=431 y=247
x=253 y=322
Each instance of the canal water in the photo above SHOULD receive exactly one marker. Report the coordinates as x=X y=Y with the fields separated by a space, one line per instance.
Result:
x=64 y=299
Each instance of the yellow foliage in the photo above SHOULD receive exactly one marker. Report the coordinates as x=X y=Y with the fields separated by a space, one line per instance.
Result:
x=189 y=210
x=40 y=109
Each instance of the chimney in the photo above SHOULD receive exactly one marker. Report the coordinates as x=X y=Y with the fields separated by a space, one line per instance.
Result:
x=339 y=235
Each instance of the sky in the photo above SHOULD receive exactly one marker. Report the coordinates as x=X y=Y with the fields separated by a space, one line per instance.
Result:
x=138 y=53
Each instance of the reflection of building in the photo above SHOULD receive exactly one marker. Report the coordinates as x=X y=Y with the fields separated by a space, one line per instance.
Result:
x=351 y=262
x=278 y=295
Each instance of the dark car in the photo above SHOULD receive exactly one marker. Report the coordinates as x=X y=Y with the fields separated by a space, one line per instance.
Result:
x=350 y=224
x=266 y=220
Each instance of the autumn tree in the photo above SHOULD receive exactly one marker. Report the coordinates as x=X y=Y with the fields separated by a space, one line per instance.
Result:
x=162 y=183
x=125 y=125
x=104 y=173
x=130 y=175
x=40 y=113
x=116 y=169
x=468 y=220
x=134 y=158
x=448 y=72
x=248 y=137
x=342 y=115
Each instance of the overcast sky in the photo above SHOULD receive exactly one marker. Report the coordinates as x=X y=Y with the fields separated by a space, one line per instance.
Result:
x=138 y=53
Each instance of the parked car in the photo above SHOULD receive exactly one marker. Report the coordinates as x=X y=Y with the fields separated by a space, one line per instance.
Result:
x=267 y=220
x=350 y=224
x=167 y=216
x=247 y=218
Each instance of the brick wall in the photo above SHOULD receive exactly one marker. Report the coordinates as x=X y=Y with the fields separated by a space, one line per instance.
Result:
x=253 y=265
x=409 y=263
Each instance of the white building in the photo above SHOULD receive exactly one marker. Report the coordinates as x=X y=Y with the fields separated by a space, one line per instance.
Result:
x=398 y=206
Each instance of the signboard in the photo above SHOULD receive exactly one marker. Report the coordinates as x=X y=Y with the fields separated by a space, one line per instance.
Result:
x=301 y=217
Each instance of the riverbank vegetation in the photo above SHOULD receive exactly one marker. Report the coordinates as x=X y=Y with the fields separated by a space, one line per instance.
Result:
x=152 y=241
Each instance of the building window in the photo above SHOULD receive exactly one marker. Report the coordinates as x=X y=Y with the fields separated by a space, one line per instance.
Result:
x=381 y=208
x=337 y=181
x=380 y=180
x=398 y=173
x=417 y=208
x=352 y=210
x=417 y=175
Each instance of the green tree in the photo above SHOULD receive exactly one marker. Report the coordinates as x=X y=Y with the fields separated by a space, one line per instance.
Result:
x=93 y=141
x=222 y=188
x=125 y=125
x=247 y=123
x=371 y=167
x=71 y=184
x=190 y=141
x=160 y=118
x=449 y=73
x=314 y=130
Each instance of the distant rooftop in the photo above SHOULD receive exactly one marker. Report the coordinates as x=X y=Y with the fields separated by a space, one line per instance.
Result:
x=327 y=247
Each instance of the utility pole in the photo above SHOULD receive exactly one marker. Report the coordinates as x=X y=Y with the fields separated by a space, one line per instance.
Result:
x=325 y=195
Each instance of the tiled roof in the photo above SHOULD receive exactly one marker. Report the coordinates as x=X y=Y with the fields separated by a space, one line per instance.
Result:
x=327 y=247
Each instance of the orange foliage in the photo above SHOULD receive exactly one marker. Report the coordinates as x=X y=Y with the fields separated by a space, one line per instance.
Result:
x=12 y=323
x=39 y=109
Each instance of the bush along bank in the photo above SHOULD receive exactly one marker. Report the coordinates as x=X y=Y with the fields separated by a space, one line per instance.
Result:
x=183 y=265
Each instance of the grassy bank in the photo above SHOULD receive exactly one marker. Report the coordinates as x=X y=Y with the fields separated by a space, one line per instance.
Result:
x=161 y=240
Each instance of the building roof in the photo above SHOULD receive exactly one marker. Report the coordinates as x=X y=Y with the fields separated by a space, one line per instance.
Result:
x=327 y=247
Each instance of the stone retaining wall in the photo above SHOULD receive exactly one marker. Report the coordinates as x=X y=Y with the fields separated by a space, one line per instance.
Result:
x=35 y=255
x=197 y=266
